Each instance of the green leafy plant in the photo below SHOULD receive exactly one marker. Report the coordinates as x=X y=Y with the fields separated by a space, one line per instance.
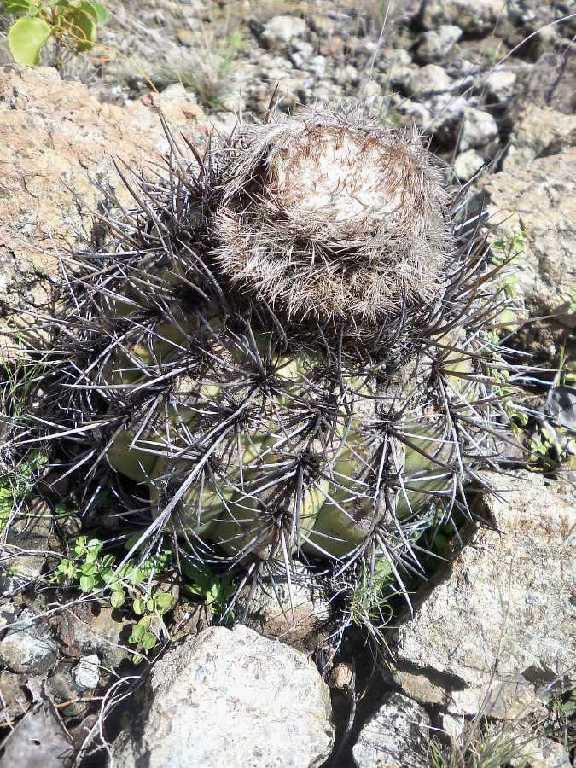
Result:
x=215 y=591
x=72 y=24
x=138 y=585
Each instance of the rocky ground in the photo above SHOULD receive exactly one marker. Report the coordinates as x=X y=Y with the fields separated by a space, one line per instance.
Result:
x=484 y=668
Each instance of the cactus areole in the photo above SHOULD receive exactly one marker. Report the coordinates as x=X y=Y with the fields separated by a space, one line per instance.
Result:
x=281 y=346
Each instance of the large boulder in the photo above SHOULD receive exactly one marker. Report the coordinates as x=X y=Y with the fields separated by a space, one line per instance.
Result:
x=539 y=199
x=56 y=140
x=498 y=626
x=396 y=736
x=234 y=698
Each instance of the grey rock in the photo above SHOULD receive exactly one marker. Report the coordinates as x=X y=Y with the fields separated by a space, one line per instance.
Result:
x=395 y=737
x=86 y=674
x=13 y=699
x=540 y=200
x=295 y=614
x=233 y=697
x=101 y=635
x=428 y=79
x=538 y=132
x=38 y=741
x=478 y=129
x=473 y=16
x=434 y=45
x=27 y=646
x=467 y=164
x=281 y=30
x=496 y=627
x=500 y=84
x=29 y=541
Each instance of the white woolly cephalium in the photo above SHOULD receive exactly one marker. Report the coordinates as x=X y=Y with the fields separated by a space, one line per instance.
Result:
x=332 y=218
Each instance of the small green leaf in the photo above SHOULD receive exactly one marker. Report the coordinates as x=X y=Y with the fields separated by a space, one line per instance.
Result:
x=138 y=606
x=148 y=641
x=87 y=583
x=164 y=601
x=150 y=605
x=118 y=598
x=18 y=7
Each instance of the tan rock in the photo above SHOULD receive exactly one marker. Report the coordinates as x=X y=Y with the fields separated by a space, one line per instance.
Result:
x=540 y=200
x=55 y=138
x=499 y=624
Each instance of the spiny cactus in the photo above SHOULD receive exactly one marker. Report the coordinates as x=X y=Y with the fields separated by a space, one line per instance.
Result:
x=283 y=347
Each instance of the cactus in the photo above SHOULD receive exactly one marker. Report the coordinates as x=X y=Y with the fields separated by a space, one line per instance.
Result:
x=283 y=346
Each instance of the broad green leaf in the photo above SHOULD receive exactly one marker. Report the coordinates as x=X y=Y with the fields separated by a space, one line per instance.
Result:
x=26 y=38
x=117 y=599
x=148 y=641
x=138 y=606
x=19 y=7
x=164 y=601
x=87 y=583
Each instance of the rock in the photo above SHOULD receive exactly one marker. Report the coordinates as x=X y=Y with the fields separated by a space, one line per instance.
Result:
x=38 y=741
x=478 y=129
x=395 y=737
x=474 y=17
x=296 y=616
x=13 y=700
x=100 y=634
x=500 y=85
x=497 y=626
x=540 y=201
x=54 y=137
x=27 y=646
x=30 y=538
x=467 y=164
x=281 y=30
x=550 y=83
x=539 y=131
x=230 y=696
x=428 y=79
x=534 y=750
x=86 y=674
x=434 y=45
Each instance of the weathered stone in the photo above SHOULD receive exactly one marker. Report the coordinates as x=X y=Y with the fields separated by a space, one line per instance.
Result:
x=230 y=697
x=540 y=201
x=434 y=45
x=473 y=16
x=38 y=741
x=500 y=84
x=467 y=164
x=295 y=614
x=29 y=540
x=100 y=634
x=428 y=79
x=539 y=132
x=86 y=674
x=27 y=646
x=478 y=129
x=395 y=737
x=13 y=700
x=55 y=136
x=281 y=30
x=499 y=624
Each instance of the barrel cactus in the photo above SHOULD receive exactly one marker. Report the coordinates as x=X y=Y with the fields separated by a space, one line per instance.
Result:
x=282 y=348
